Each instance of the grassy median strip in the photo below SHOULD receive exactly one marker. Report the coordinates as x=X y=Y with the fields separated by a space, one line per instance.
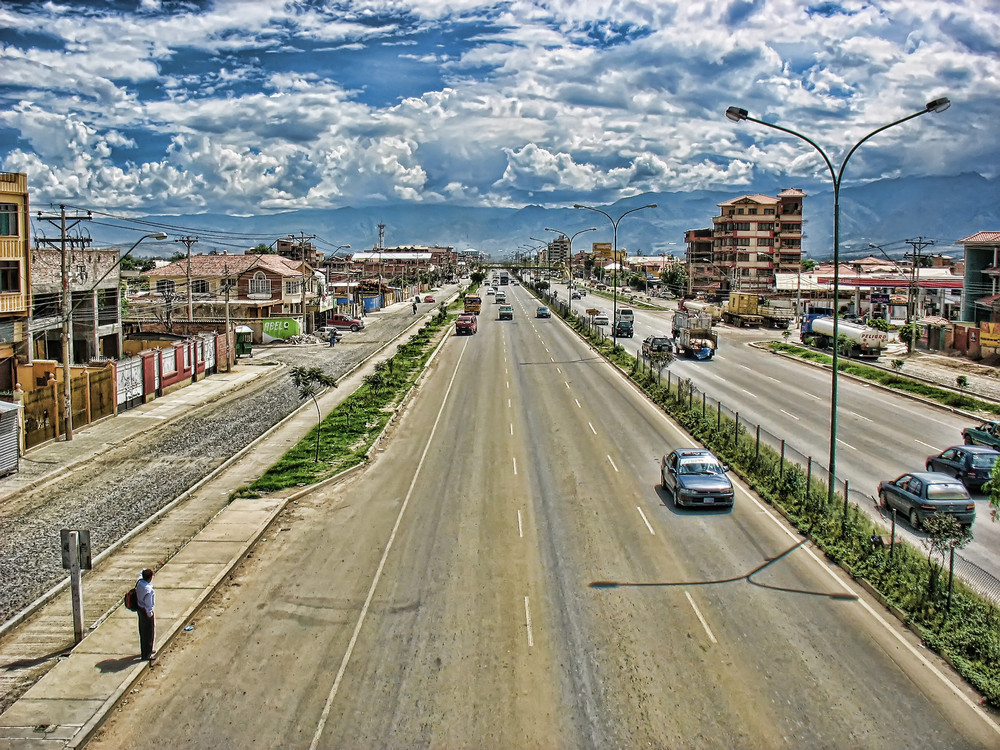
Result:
x=891 y=380
x=348 y=432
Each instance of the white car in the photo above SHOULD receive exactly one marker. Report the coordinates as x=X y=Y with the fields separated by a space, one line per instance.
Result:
x=601 y=319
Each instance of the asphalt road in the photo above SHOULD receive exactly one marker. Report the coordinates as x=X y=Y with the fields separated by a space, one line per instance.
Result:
x=507 y=574
x=881 y=435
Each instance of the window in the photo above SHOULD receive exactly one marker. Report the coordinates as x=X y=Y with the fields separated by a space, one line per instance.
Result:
x=10 y=276
x=8 y=219
x=769 y=211
x=199 y=286
x=165 y=286
x=260 y=284
x=751 y=210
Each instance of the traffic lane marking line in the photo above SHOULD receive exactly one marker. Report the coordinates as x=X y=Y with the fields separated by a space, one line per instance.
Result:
x=645 y=520
x=701 y=619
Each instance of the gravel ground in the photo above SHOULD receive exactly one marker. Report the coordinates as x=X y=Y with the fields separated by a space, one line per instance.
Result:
x=121 y=488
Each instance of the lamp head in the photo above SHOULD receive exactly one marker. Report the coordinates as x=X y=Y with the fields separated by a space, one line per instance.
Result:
x=577 y=205
x=158 y=235
x=938 y=105
x=736 y=114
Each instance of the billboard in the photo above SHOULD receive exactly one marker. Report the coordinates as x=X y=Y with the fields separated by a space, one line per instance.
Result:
x=279 y=329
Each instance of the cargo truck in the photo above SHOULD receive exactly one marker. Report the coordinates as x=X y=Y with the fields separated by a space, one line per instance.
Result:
x=863 y=341
x=694 y=335
x=741 y=310
x=697 y=307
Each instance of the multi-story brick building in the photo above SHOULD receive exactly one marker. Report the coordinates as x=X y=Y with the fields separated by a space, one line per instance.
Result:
x=753 y=238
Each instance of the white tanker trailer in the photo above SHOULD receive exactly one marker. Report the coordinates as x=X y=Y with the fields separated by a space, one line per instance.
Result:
x=865 y=341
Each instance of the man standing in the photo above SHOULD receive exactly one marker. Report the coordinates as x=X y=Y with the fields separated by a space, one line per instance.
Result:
x=145 y=597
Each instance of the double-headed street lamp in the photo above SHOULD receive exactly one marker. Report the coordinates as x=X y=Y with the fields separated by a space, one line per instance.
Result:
x=614 y=251
x=570 y=251
x=736 y=114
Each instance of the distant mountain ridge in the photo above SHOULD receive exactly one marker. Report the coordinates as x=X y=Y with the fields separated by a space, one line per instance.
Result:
x=885 y=213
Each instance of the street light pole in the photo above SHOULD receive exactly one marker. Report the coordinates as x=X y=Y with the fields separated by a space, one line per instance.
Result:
x=736 y=114
x=570 y=251
x=67 y=323
x=614 y=253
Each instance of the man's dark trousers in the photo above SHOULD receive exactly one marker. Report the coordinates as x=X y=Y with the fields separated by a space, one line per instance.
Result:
x=147 y=629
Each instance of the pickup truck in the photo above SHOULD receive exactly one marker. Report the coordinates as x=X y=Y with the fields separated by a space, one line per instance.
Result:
x=988 y=433
x=341 y=321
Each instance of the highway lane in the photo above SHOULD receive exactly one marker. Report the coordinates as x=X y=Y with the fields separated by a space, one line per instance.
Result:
x=881 y=435
x=446 y=597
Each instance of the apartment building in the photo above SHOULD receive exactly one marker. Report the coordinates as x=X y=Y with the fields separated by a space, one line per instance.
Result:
x=753 y=238
x=981 y=293
x=15 y=261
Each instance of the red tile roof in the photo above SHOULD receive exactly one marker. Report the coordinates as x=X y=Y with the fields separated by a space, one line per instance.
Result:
x=981 y=237
x=208 y=266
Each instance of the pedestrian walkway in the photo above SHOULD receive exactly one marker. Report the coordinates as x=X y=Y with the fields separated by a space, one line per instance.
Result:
x=87 y=680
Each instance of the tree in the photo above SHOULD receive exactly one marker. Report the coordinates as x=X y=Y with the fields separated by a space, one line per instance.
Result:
x=808 y=264
x=478 y=277
x=944 y=536
x=309 y=381
x=675 y=278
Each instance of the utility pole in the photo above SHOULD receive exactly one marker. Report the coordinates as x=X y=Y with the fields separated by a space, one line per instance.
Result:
x=188 y=241
x=65 y=222
x=913 y=301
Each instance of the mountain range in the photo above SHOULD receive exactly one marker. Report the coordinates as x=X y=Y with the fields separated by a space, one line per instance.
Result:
x=885 y=212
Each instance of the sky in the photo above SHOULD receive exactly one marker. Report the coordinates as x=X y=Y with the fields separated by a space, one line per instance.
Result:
x=249 y=108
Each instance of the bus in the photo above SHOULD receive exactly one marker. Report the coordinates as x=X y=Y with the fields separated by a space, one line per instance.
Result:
x=504 y=278
x=473 y=303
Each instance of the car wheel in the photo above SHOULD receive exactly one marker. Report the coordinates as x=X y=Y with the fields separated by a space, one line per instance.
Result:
x=914 y=519
x=354 y=329
x=884 y=501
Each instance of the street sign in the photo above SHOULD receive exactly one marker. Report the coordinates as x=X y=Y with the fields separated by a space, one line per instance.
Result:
x=880 y=299
x=82 y=548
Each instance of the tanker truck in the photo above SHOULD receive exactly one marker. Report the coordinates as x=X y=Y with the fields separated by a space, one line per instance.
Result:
x=865 y=342
x=693 y=334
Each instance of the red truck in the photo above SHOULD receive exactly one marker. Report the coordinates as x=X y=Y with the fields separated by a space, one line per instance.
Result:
x=344 y=322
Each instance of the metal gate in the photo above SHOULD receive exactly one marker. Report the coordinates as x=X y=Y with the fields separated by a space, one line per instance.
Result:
x=208 y=352
x=129 y=383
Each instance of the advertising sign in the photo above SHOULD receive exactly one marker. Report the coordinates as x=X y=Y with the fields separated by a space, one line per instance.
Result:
x=989 y=334
x=880 y=299
x=279 y=329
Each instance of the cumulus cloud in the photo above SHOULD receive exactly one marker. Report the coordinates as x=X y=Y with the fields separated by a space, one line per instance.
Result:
x=271 y=105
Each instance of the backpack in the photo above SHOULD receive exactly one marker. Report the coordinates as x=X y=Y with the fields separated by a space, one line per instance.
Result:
x=131 y=601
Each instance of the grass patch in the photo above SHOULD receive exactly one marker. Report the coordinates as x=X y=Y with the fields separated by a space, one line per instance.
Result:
x=891 y=380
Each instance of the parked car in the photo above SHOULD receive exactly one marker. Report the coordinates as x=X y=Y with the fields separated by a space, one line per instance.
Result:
x=654 y=343
x=429 y=298
x=466 y=323
x=543 y=312
x=600 y=319
x=506 y=312
x=329 y=332
x=624 y=329
x=919 y=495
x=694 y=476
x=344 y=322
x=970 y=464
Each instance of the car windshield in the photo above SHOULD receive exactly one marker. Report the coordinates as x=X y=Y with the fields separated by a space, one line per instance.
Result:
x=950 y=491
x=983 y=460
x=700 y=467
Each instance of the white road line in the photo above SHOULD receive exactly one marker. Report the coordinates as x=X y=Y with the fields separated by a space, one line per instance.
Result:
x=591 y=428
x=520 y=527
x=511 y=428
x=508 y=384
x=810 y=395
x=928 y=445
x=748 y=392
x=745 y=367
x=527 y=621
x=577 y=402
x=328 y=706
x=508 y=403
x=559 y=370
x=847 y=444
x=566 y=383
x=645 y=520
x=789 y=414
x=552 y=359
x=700 y=618
x=859 y=416
x=515 y=465
x=774 y=379
x=613 y=464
